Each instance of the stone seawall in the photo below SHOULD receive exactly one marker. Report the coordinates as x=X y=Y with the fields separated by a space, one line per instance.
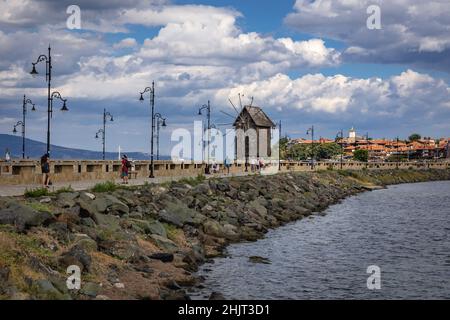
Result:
x=27 y=172
x=146 y=242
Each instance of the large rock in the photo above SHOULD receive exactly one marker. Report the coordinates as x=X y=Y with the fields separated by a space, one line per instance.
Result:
x=87 y=209
x=156 y=227
x=77 y=255
x=104 y=203
x=150 y=227
x=162 y=256
x=44 y=289
x=213 y=228
x=177 y=213
x=24 y=217
x=257 y=207
x=230 y=232
x=90 y=289
x=164 y=243
x=203 y=189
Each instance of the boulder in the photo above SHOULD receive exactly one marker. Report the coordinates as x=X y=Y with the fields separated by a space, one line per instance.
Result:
x=162 y=256
x=87 y=196
x=24 y=217
x=77 y=255
x=156 y=227
x=223 y=185
x=213 y=228
x=87 y=244
x=257 y=259
x=164 y=243
x=203 y=188
x=216 y=296
x=177 y=213
x=257 y=207
x=45 y=200
x=67 y=199
x=90 y=289
x=87 y=209
x=44 y=289
x=150 y=227
x=230 y=232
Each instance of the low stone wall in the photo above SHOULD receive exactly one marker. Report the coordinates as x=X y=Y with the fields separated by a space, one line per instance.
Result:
x=20 y=172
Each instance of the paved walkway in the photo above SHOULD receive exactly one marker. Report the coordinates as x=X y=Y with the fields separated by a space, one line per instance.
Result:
x=19 y=190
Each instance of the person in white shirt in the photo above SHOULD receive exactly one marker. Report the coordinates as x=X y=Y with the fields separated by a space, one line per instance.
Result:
x=7 y=156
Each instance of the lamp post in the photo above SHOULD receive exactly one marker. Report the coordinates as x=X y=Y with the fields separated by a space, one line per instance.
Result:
x=398 y=155
x=22 y=123
x=48 y=78
x=160 y=121
x=279 y=145
x=106 y=115
x=340 y=136
x=151 y=90
x=207 y=107
x=311 y=131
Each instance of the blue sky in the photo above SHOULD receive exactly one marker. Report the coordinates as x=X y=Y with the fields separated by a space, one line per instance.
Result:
x=304 y=62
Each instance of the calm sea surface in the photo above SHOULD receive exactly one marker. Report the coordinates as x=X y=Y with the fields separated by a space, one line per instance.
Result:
x=404 y=230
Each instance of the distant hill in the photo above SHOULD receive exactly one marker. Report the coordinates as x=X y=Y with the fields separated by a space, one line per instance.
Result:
x=35 y=149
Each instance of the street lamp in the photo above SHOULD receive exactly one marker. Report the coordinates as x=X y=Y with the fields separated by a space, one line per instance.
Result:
x=151 y=90
x=279 y=145
x=207 y=107
x=398 y=155
x=22 y=123
x=106 y=115
x=340 y=136
x=160 y=121
x=48 y=78
x=311 y=131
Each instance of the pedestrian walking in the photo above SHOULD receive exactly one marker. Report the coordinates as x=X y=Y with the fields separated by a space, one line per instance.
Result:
x=45 y=168
x=227 y=164
x=7 y=155
x=126 y=165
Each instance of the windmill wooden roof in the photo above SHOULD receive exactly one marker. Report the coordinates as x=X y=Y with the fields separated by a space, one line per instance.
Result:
x=257 y=115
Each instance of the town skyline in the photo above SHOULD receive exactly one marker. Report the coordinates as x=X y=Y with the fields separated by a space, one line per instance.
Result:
x=299 y=72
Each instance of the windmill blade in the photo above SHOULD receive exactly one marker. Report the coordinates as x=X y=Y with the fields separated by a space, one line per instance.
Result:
x=226 y=113
x=235 y=109
x=251 y=102
x=225 y=124
x=240 y=101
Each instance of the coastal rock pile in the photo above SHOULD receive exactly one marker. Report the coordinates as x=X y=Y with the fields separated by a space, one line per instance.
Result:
x=146 y=242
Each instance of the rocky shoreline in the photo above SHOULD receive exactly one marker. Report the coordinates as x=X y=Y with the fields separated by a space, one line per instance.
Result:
x=147 y=242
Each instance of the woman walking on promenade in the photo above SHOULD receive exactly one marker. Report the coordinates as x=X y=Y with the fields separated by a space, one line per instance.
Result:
x=45 y=167
x=125 y=165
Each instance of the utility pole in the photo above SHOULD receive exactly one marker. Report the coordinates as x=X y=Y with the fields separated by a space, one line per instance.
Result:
x=207 y=107
x=398 y=155
x=311 y=131
x=279 y=145
x=340 y=135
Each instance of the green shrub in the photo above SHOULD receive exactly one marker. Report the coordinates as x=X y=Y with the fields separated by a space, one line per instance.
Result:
x=36 y=193
x=193 y=181
x=107 y=186
x=171 y=231
x=64 y=189
x=40 y=206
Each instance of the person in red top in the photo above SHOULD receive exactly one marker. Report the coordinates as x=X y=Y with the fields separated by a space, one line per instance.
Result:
x=124 y=171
